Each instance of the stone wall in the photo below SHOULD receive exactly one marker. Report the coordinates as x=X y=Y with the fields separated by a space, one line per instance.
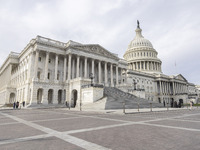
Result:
x=91 y=94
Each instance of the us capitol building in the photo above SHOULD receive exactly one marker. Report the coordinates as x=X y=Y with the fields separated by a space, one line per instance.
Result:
x=52 y=72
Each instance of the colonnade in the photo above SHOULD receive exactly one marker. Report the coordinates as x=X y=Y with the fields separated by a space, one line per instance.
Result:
x=75 y=66
x=172 y=88
x=145 y=65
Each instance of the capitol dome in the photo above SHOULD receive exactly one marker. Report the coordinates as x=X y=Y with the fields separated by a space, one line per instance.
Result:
x=141 y=55
x=139 y=41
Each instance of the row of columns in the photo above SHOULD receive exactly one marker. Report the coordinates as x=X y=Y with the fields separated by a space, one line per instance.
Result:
x=145 y=65
x=167 y=88
x=71 y=68
x=180 y=88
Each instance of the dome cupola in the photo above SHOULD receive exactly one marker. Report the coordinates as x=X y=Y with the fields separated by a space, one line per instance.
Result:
x=141 y=55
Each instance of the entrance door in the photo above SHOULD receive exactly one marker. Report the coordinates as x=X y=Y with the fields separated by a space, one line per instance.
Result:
x=12 y=98
x=180 y=102
x=74 y=98
x=59 y=96
x=50 y=96
x=172 y=102
x=39 y=96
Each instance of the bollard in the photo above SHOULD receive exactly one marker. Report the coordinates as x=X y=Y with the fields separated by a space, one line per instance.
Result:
x=167 y=107
x=151 y=107
x=124 y=107
x=80 y=107
x=138 y=107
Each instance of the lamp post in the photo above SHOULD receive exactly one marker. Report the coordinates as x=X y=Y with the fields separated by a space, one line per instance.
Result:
x=134 y=84
x=91 y=76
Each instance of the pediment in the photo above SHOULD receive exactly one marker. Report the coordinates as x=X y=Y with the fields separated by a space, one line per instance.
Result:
x=96 y=49
x=180 y=77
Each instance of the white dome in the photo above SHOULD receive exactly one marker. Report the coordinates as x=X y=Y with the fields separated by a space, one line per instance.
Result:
x=139 y=41
x=141 y=56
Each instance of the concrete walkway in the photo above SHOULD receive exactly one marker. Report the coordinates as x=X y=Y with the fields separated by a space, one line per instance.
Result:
x=113 y=111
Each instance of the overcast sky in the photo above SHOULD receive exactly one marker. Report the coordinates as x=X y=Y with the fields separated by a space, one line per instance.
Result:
x=172 y=26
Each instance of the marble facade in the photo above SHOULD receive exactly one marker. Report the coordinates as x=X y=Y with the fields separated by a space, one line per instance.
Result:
x=53 y=72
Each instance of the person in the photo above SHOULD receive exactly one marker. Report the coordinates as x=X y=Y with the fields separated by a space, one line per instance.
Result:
x=17 y=105
x=23 y=103
x=191 y=102
x=14 y=104
x=164 y=103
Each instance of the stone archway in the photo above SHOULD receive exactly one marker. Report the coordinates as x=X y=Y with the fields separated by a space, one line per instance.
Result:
x=39 y=96
x=74 y=98
x=12 y=98
x=180 y=103
x=59 y=96
x=50 y=96
x=172 y=102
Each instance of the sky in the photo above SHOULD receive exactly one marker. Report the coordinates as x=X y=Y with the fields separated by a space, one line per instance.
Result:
x=172 y=26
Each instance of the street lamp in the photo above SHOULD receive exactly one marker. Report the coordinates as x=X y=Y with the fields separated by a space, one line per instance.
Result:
x=134 y=84
x=91 y=76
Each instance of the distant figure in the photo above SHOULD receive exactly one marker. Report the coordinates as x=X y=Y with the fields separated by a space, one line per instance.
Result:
x=164 y=103
x=23 y=103
x=17 y=105
x=14 y=104
x=191 y=102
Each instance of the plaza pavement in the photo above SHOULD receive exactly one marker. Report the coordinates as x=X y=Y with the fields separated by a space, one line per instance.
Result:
x=64 y=129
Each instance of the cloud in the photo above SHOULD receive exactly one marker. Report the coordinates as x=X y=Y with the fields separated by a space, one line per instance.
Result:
x=172 y=27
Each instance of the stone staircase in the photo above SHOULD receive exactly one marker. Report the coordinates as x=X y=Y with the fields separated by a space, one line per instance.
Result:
x=116 y=98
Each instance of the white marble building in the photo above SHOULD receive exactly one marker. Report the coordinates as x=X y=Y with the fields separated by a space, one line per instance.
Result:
x=145 y=70
x=52 y=72
x=49 y=71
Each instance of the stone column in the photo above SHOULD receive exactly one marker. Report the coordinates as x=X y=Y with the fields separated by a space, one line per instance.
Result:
x=117 y=82
x=69 y=66
x=93 y=67
x=36 y=64
x=164 y=88
x=65 y=63
x=56 y=67
x=46 y=66
x=111 y=74
x=77 y=66
x=140 y=65
x=85 y=70
x=73 y=67
x=99 y=71
x=81 y=67
x=106 y=75
x=174 y=90
x=160 y=87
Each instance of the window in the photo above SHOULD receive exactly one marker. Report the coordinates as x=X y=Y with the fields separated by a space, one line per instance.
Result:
x=39 y=59
x=58 y=76
x=49 y=60
x=38 y=75
x=58 y=62
x=48 y=76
